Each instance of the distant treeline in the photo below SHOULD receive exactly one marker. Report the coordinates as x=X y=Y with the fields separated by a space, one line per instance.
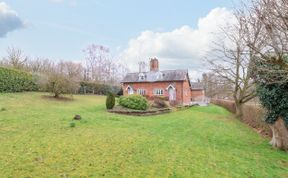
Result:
x=99 y=89
x=99 y=74
x=13 y=80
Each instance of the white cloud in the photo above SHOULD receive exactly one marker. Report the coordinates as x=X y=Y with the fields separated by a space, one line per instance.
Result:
x=9 y=20
x=183 y=47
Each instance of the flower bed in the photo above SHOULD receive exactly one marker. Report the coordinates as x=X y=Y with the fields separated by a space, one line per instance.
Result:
x=151 y=111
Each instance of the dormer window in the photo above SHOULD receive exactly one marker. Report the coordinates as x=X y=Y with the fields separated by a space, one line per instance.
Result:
x=141 y=76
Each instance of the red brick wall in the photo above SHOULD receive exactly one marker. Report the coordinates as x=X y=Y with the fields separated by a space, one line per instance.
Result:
x=186 y=93
x=161 y=85
x=196 y=94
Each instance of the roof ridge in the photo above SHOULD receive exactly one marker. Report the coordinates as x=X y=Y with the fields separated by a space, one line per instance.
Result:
x=159 y=71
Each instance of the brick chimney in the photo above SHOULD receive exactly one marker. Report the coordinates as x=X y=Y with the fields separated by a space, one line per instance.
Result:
x=154 y=64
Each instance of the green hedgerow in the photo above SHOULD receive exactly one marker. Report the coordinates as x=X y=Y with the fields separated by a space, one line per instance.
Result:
x=12 y=80
x=137 y=102
x=110 y=101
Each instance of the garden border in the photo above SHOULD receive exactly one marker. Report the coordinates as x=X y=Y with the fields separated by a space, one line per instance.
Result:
x=141 y=113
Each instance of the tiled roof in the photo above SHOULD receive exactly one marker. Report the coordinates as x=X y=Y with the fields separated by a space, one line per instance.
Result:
x=167 y=75
x=196 y=86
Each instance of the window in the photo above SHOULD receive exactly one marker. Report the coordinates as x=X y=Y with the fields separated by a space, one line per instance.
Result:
x=141 y=91
x=158 y=91
x=141 y=76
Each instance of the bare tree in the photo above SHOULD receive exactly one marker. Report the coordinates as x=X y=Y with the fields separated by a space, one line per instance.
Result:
x=231 y=60
x=216 y=87
x=72 y=70
x=15 y=58
x=101 y=67
x=39 y=65
x=272 y=18
x=271 y=63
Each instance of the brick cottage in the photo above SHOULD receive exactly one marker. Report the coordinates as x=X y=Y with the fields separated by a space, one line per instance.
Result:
x=175 y=85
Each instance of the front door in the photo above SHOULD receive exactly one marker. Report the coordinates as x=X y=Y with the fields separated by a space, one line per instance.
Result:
x=130 y=91
x=172 y=94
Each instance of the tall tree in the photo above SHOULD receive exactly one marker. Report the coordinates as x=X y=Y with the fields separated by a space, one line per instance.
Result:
x=271 y=64
x=216 y=87
x=231 y=60
x=101 y=67
x=15 y=58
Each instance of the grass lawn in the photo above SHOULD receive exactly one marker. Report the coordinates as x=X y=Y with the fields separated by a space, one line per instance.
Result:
x=36 y=140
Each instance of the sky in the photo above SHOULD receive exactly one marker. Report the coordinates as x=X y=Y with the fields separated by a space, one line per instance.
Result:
x=178 y=32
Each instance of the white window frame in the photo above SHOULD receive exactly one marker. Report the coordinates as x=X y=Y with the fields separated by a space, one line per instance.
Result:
x=158 y=92
x=141 y=91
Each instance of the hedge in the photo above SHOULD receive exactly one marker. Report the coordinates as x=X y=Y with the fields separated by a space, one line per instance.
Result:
x=12 y=80
x=228 y=104
x=99 y=89
x=253 y=115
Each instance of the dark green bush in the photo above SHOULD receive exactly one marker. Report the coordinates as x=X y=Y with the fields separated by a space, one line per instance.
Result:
x=137 y=102
x=12 y=80
x=110 y=101
x=274 y=98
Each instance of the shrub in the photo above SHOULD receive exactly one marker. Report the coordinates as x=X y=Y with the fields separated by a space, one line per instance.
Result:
x=159 y=103
x=12 y=80
x=110 y=101
x=229 y=105
x=165 y=98
x=137 y=102
x=59 y=84
x=254 y=115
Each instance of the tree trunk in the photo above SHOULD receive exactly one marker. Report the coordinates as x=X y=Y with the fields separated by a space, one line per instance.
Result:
x=239 y=109
x=280 y=134
x=56 y=95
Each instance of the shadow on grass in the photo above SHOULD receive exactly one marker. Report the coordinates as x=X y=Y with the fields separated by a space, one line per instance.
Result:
x=60 y=98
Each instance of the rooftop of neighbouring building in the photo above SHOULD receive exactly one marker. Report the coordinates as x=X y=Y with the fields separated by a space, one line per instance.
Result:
x=197 y=86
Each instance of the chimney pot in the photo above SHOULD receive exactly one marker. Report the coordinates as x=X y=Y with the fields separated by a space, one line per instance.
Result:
x=154 y=64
